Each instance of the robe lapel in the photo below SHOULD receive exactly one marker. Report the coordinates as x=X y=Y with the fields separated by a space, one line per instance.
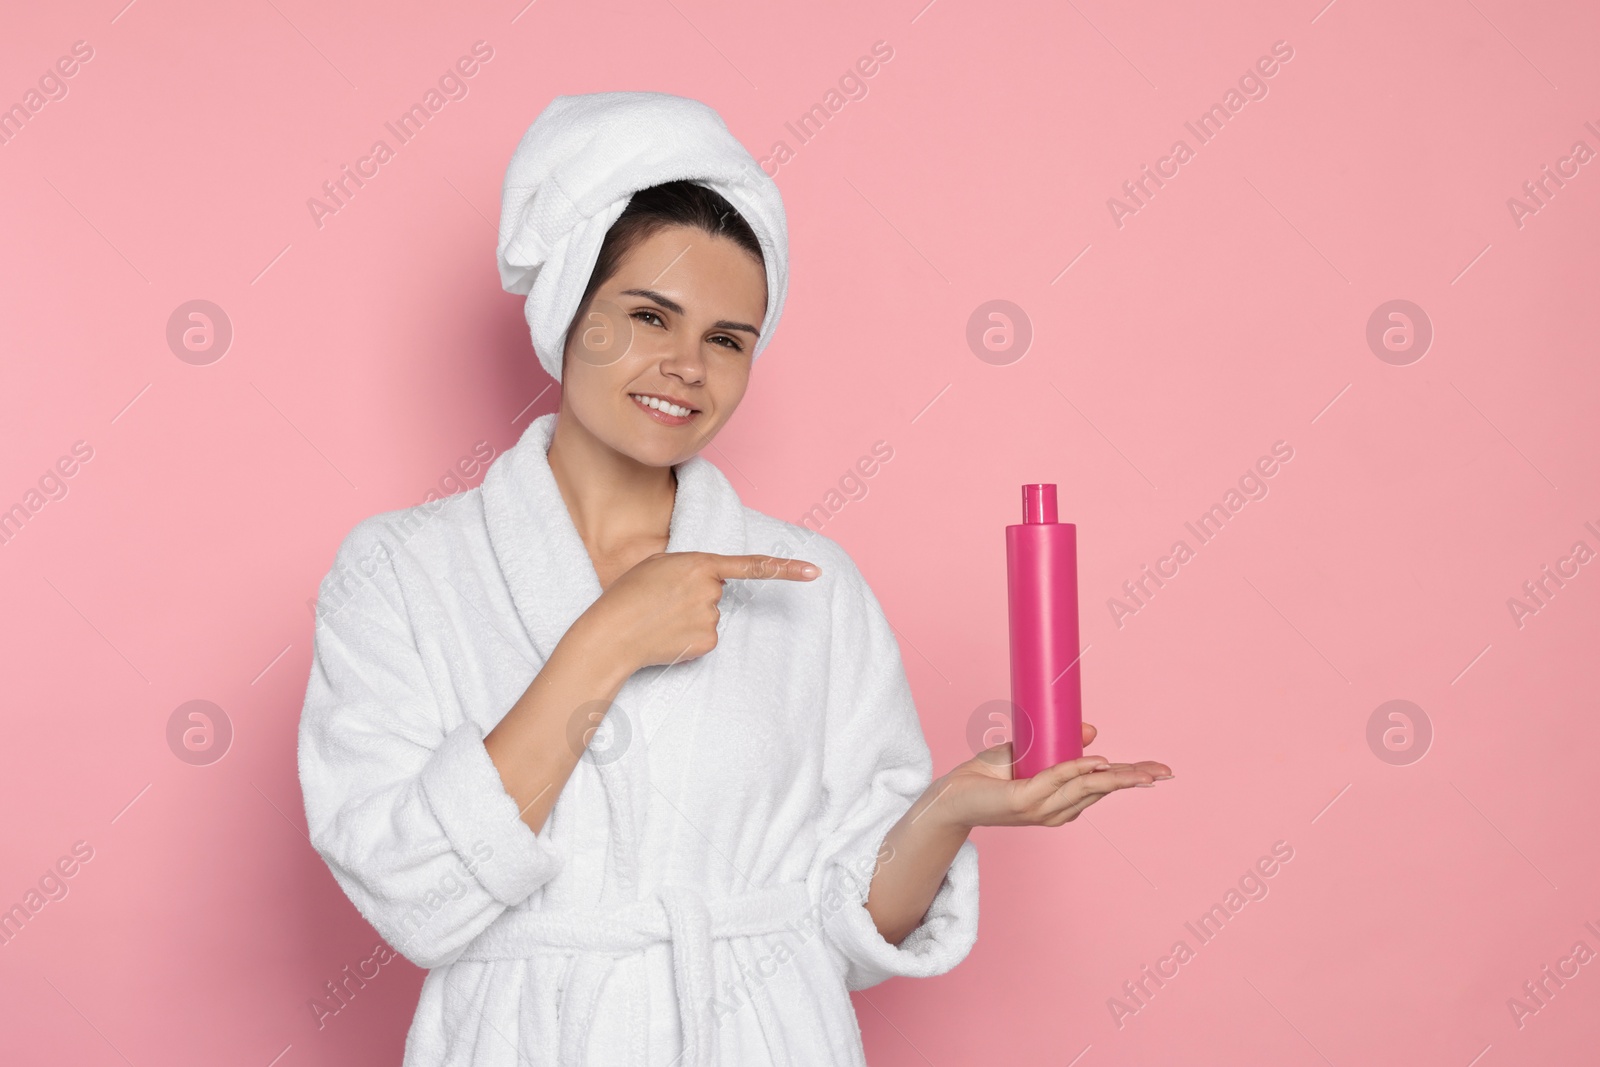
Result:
x=551 y=578
x=553 y=581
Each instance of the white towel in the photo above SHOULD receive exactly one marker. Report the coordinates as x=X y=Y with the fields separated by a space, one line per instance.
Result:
x=576 y=169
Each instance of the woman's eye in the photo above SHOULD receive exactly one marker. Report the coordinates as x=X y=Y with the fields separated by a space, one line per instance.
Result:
x=649 y=317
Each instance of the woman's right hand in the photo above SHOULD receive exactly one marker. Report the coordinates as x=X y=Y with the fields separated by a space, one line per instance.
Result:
x=664 y=608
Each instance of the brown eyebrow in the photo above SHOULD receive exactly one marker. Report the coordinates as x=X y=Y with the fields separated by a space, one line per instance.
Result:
x=677 y=309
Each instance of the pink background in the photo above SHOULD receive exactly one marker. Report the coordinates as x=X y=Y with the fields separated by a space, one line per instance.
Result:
x=1168 y=353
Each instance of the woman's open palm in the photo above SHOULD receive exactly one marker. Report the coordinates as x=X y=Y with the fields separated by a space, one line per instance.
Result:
x=982 y=792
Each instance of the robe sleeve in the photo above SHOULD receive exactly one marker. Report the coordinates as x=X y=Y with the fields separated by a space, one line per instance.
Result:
x=876 y=764
x=408 y=810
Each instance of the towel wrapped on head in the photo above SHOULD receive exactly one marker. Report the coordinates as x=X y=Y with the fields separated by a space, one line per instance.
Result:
x=576 y=169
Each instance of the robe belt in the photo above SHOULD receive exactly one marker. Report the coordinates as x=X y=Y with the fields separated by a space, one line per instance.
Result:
x=599 y=936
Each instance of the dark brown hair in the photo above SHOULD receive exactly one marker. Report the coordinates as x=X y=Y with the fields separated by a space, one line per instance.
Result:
x=677 y=203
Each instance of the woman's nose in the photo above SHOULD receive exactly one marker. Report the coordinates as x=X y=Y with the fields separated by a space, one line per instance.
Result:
x=684 y=360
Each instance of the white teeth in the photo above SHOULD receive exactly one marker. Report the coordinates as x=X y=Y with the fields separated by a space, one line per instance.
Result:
x=662 y=405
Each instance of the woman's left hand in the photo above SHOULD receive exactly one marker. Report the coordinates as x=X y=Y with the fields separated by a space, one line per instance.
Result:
x=981 y=791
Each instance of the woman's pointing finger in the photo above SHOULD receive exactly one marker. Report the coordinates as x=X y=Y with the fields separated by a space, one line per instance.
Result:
x=794 y=570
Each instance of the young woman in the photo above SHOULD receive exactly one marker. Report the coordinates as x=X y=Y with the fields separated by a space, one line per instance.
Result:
x=633 y=769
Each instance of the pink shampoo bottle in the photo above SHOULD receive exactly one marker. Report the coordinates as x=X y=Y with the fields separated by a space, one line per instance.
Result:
x=1042 y=580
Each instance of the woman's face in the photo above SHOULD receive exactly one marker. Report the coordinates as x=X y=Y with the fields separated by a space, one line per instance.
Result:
x=676 y=323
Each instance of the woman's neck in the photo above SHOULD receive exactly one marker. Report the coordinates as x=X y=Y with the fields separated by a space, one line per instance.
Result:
x=622 y=508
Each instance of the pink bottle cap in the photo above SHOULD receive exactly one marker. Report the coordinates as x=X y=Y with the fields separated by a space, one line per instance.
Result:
x=1039 y=502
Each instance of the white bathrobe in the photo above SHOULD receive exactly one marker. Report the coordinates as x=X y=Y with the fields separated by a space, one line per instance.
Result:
x=696 y=895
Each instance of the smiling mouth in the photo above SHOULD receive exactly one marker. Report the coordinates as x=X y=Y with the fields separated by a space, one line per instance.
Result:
x=664 y=407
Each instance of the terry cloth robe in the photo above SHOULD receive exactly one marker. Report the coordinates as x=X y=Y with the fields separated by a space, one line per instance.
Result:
x=695 y=896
